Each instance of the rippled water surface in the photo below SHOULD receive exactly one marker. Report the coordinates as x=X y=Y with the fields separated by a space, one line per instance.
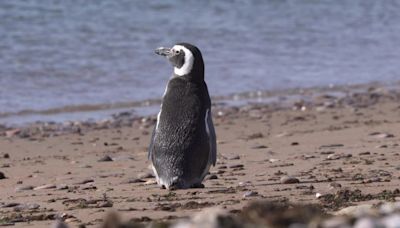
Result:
x=61 y=53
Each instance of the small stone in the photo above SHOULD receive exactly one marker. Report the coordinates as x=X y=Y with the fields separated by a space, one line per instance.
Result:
x=24 y=188
x=28 y=206
x=272 y=160
x=236 y=166
x=334 y=185
x=105 y=204
x=250 y=194
x=85 y=181
x=6 y=156
x=62 y=187
x=258 y=147
x=289 y=180
x=237 y=157
x=133 y=181
x=88 y=187
x=381 y=135
x=212 y=177
x=2 y=176
x=123 y=158
x=106 y=158
x=47 y=186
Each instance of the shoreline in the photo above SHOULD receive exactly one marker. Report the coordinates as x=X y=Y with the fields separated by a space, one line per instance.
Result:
x=97 y=112
x=331 y=150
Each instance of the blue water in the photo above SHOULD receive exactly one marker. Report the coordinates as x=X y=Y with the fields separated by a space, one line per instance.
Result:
x=61 y=53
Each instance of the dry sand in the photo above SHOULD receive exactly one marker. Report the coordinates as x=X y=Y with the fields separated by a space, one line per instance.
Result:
x=352 y=142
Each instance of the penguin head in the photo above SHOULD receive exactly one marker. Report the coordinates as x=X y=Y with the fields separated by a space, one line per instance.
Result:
x=186 y=60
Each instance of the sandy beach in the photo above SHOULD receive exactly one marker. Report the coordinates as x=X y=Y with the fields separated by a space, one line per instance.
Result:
x=291 y=153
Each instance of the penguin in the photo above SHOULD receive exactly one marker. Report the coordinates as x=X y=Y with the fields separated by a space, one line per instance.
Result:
x=183 y=143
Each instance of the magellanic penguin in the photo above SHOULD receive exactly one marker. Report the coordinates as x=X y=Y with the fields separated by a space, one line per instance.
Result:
x=183 y=143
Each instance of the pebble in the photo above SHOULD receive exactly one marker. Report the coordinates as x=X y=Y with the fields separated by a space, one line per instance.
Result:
x=24 y=188
x=106 y=158
x=272 y=160
x=2 y=176
x=212 y=177
x=27 y=206
x=381 y=135
x=6 y=205
x=123 y=158
x=334 y=185
x=289 y=180
x=250 y=194
x=236 y=166
x=6 y=156
x=62 y=187
x=47 y=186
x=85 y=181
x=237 y=157
x=255 y=147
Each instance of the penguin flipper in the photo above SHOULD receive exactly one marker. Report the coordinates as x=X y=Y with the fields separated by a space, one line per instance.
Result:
x=151 y=146
x=211 y=137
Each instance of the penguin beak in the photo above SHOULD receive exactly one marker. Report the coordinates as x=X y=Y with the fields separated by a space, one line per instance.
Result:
x=163 y=51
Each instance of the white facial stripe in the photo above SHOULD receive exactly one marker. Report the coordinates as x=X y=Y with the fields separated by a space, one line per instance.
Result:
x=189 y=59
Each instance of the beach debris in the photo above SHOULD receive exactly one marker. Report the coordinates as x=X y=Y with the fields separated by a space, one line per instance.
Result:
x=235 y=166
x=250 y=194
x=105 y=158
x=24 y=188
x=211 y=177
x=258 y=146
x=380 y=135
x=47 y=186
x=289 y=180
x=84 y=181
x=236 y=157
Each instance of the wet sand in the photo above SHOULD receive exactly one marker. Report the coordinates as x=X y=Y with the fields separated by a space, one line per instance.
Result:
x=265 y=152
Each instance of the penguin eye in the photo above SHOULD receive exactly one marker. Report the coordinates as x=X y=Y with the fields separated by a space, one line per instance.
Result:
x=177 y=51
